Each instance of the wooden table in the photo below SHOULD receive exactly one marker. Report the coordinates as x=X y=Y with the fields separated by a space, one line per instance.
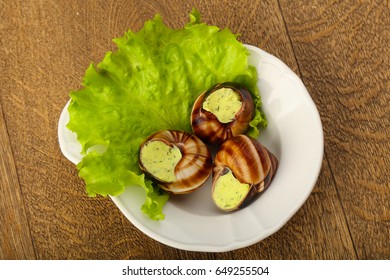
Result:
x=341 y=51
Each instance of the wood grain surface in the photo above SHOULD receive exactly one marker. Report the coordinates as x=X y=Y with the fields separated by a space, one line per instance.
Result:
x=340 y=49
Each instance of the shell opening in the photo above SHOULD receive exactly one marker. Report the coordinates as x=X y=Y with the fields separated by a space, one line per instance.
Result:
x=224 y=103
x=229 y=192
x=160 y=160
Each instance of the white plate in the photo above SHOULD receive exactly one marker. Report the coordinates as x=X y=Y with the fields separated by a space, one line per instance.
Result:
x=294 y=135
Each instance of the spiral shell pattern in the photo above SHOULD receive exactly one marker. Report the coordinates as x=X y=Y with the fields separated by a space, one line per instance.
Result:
x=206 y=125
x=250 y=162
x=193 y=169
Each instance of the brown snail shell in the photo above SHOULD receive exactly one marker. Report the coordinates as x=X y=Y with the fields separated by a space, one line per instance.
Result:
x=207 y=126
x=194 y=167
x=249 y=161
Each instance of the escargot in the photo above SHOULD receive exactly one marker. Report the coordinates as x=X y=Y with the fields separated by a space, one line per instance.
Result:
x=243 y=168
x=178 y=161
x=222 y=112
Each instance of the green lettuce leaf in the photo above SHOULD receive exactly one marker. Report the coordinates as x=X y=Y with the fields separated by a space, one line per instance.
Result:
x=150 y=83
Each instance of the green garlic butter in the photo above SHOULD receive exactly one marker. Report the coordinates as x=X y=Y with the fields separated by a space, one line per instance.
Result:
x=224 y=103
x=229 y=192
x=160 y=160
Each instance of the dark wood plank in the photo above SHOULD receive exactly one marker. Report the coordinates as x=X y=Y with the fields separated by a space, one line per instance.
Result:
x=342 y=48
x=15 y=241
x=49 y=45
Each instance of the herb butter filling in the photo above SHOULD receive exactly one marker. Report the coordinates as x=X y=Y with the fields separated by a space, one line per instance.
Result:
x=229 y=192
x=224 y=103
x=160 y=160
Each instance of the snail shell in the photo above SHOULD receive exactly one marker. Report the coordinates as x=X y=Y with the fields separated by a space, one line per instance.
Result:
x=193 y=168
x=209 y=128
x=250 y=163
